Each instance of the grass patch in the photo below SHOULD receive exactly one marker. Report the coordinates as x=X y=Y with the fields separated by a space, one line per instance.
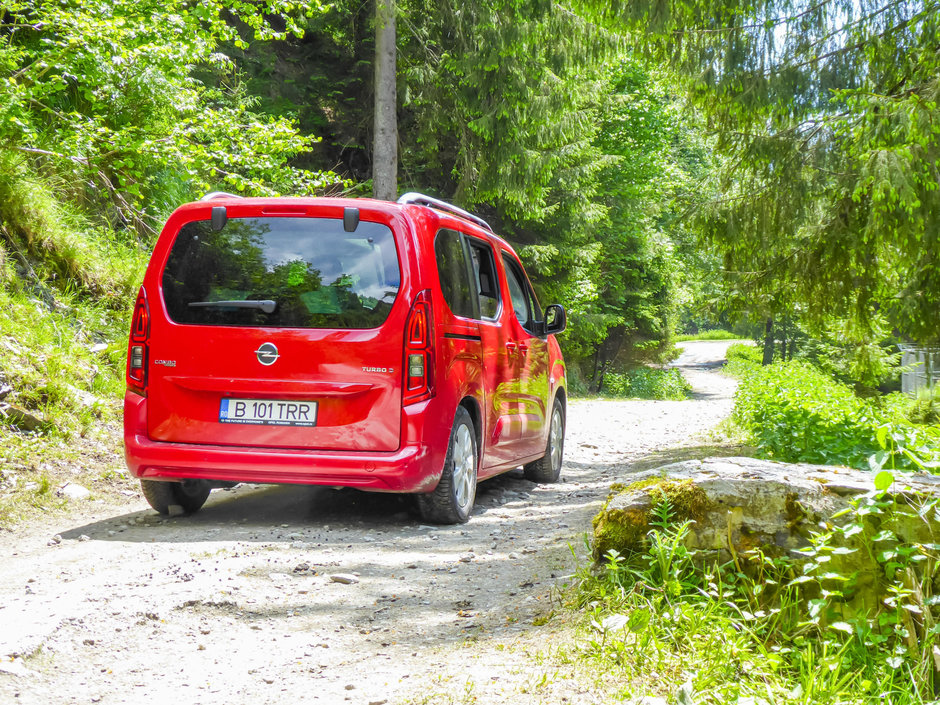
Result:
x=34 y=467
x=66 y=294
x=716 y=334
x=66 y=367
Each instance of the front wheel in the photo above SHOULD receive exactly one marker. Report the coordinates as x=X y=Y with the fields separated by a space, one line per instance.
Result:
x=548 y=467
x=452 y=500
x=188 y=495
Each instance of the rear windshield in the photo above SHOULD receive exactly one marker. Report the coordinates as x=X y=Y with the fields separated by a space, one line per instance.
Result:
x=282 y=272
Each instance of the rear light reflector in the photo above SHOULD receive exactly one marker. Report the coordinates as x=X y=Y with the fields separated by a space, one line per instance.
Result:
x=138 y=344
x=419 y=350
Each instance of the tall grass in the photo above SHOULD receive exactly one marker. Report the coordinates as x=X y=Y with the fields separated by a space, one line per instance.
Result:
x=54 y=244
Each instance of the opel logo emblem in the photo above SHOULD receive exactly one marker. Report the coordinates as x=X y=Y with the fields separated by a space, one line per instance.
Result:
x=267 y=354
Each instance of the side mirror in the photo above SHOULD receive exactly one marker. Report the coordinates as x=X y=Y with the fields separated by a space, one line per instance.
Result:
x=555 y=319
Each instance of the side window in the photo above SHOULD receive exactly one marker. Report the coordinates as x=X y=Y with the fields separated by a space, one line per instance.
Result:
x=520 y=302
x=524 y=304
x=484 y=272
x=453 y=272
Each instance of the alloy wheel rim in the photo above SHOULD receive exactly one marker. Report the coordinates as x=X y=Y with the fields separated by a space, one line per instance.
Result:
x=557 y=439
x=464 y=467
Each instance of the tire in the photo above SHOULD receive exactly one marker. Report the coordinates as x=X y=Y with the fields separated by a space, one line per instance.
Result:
x=548 y=467
x=189 y=495
x=451 y=502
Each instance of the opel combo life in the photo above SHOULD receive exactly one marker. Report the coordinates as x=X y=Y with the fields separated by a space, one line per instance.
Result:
x=391 y=347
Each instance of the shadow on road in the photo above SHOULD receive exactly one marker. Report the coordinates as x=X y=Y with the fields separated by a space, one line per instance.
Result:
x=272 y=513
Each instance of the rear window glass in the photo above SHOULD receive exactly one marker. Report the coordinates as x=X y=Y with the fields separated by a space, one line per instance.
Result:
x=282 y=272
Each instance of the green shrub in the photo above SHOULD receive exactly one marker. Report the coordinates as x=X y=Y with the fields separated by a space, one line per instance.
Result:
x=577 y=385
x=925 y=407
x=744 y=351
x=743 y=359
x=794 y=412
x=647 y=383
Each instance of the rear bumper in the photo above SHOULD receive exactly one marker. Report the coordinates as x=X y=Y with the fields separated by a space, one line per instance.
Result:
x=414 y=467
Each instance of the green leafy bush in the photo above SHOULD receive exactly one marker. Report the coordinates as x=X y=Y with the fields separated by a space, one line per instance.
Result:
x=744 y=351
x=647 y=383
x=794 y=412
x=743 y=359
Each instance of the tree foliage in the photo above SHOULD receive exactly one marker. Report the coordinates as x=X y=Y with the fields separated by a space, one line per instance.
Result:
x=826 y=117
x=626 y=275
x=501 y=95
x=135 y=99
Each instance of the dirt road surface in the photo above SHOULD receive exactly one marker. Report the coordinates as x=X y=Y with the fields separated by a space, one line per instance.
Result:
x=295 y=594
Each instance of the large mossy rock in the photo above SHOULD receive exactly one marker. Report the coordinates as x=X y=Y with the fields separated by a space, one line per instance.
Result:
x=746 y=503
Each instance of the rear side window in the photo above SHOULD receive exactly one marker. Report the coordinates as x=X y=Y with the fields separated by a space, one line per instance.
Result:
x=453 y=272
x=282 y=272
x=470 y=286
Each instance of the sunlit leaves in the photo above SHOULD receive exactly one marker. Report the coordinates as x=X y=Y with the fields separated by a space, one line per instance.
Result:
x=115 y=91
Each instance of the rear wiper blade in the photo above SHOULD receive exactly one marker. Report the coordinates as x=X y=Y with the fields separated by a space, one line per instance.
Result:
x=265 y=305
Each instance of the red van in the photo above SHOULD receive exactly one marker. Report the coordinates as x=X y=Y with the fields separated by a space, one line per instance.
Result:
x=390 y=347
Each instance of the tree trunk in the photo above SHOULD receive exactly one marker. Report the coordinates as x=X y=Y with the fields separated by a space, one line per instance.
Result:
x=385 y=144
x=768 y=342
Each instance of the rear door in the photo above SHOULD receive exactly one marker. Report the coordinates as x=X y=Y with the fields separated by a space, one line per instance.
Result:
x=279 y=331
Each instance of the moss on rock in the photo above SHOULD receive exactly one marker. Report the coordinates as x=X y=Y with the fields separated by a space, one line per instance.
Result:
x=624 y=521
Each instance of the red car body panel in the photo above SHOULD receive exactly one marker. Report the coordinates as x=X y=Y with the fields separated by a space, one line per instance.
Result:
x=367 y=435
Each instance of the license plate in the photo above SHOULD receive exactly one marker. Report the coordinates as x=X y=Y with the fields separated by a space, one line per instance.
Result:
x=268 y=412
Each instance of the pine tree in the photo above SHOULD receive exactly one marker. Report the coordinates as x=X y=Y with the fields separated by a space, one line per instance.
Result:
x=826 y=116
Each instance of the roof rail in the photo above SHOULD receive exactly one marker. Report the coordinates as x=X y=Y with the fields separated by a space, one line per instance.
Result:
x=422 y=200
x=218 y=194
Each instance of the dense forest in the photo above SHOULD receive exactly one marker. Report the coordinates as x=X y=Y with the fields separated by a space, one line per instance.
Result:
x=763 y=168
x=662 y=167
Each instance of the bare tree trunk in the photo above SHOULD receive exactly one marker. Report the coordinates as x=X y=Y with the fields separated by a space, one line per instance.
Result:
x=768 y=342
x=385 y=145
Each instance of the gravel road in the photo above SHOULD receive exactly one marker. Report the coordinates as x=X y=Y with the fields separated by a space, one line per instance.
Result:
x=294 y=594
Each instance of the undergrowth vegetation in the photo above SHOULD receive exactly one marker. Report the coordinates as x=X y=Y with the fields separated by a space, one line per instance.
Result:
x=715 y=334
x=794 y=412
x=759 y=629
x=647 y=383
x=66 y=287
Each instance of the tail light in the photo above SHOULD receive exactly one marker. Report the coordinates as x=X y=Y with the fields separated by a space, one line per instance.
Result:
x=137 y=348
x=419 y=350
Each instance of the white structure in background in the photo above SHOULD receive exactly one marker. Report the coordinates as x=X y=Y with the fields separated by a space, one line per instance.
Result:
x=924 y=367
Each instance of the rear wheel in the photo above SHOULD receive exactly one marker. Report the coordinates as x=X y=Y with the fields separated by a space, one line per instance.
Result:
x=452 y=500
x=188 y=495
x=548 y=467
